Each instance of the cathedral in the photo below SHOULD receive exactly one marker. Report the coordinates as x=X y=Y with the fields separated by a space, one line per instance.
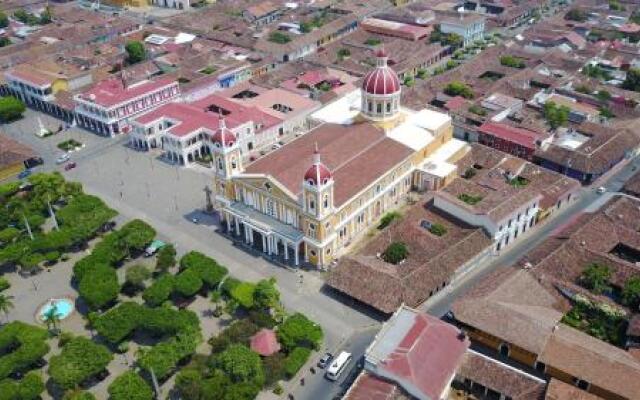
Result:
x=309 y=200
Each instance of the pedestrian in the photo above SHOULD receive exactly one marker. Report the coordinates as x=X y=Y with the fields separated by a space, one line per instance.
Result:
x=301 y=381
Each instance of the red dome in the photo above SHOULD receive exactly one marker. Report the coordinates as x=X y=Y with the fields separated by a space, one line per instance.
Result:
x=318 y=173
x=382 y=80
x=223 y=136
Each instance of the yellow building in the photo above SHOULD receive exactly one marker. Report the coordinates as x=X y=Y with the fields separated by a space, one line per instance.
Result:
x=129 y=3
x=310 y=199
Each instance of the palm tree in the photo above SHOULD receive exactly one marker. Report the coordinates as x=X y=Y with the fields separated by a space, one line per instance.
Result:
x=6 y=305
x=51 y=318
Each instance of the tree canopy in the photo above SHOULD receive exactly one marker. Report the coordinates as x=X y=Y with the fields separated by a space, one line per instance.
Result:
x=130 y=386
x=458 y=89
x=266 y=295
x=241 y=364
x=79 y=360
x=135 y=51
x=555 y=115
x=11 y=108
x=632 y=81
x=4 y=20
x=299 y=331
x=631 y=292
x=596 y=278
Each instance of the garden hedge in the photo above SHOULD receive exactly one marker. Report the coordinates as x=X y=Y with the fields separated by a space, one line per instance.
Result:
x=242 y=292
x=159 y=291
x=299 y=331
x=130 y=386
x=100 y=287
x=28 y=388
x=163 y=357
x=187 y=283
x=79 y=360
x=207 y=268
x=21 y=346
x=296 y=360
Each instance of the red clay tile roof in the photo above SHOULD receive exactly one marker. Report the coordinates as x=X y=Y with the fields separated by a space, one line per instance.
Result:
x=12 y=151
x=111 y=91
x=558 y=390
x=427 y=357
x=356 y=155
x=633 y=185
x=371 y=387
x=523 y=137
x=499 y=377
x=432 y=260
x=592 y=360
x=265 y=342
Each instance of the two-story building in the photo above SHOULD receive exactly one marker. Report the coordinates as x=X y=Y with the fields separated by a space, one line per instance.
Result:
x=468 y=26
x=307 y=200
x=109 y=106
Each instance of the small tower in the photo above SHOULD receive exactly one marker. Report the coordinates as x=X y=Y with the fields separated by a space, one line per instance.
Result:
x=381 y=91
x=226 y=152
x=317 y=188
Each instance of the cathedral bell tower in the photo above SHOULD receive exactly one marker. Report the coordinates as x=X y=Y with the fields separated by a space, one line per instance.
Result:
x=317 y=188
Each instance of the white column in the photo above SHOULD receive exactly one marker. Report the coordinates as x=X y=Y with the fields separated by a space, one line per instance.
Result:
x=296 y=250
x=275 y=245
x=306 y=253
x=237 y=226
x=246 y=233
x=227 y=217
x=286 y=250
x=264 y=242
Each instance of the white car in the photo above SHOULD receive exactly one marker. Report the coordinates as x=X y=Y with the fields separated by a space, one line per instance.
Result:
x=62 y=159
x=601 y=190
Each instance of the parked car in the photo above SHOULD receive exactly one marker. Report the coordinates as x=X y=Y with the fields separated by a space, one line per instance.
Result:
x=154 y=247
x=33 y=162
x=601 y=189
x=70 y=166
x=62 y=159
x=325 y=360
x=24 y=174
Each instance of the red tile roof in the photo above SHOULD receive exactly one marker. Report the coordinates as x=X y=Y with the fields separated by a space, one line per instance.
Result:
x=523 y=137
x=187 y=118
x=427 y=357
x=265 y=342
x=111 y=91
x=371 y=387
x=30 y=76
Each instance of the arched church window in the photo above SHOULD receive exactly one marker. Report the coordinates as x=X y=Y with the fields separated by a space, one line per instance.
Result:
x=326 y=201
x=379 y=108
x=388 y=106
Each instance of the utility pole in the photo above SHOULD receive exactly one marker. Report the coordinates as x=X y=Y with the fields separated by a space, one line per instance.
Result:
x=52 y=214
x=26 y=222
x=156 y=387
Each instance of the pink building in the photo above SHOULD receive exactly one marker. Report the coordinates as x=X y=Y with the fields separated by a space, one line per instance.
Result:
x=108 y=106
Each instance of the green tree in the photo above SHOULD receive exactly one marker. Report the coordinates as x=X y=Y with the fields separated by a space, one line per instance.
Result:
x=135 y=51
x=6 y=304
x=52 y=318
x=555 y=115
x=4 y=20
x=279 y=37
x=632 y=81
x=4 y=41
x=28 y=388
x=395 y=253
x=631 y=292
x=188 y=283
x=136 y=235
x=159 y=291
x=452 y=39
x=79 y=360
x=576 y=14
x=11 y=109
x=78 y=394
x=130 y=386
x=46 y=17
x=596 y=278
x=166 y=258
x=458 y=89
x=512 y=61
x=266 y=295
x=241 y=364
x=299 y=331
x=100 y=287
x=136 y=275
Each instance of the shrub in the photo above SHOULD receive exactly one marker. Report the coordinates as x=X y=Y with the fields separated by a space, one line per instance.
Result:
x=576 y=14
x=372 y=41
x=136 y=235
x=596 y=278
x=130 y=386
x=135 y=51
x=266 y=295
x=64 y=338
x=166 y=258
x=299 y=331
x=296 y=360
x=395 y=253
x=469 y=199
x=99 y=287
x=21 y=346
x=241 y=364
x=164 y=357
x=469 y=173
x=388 y=218
x=159 y=291
x=241 y=292
x=135 y=277
x=274 y=368
x=458 y=89
x=207 y=268
x=511 y=61
x=4 y=284
x=11 y=108
x=279 y=37
x=187 y=283
x=78 y=395
x=79 y=360
x=438 y=229
x=7 y=235
x=555 y=115
x=28 y=388
x=476 y=109
x=239 y=332
x=631 y=292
